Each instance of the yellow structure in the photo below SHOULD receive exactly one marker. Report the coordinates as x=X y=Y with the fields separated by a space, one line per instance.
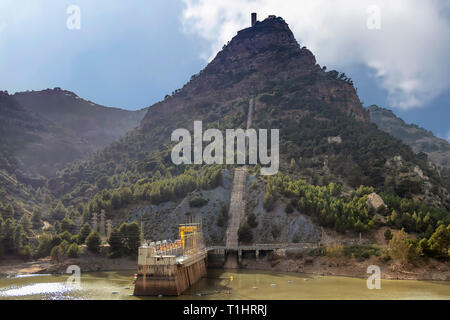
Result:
x=169 y=268
x=188 y=236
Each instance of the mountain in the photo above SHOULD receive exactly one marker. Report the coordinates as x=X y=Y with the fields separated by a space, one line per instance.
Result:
x=96 y=125
x=264 y=62
x=41 y=132
x=18 y=127
x=325 y=137
x=332 y=158
x=50 y=128
x=419 y=139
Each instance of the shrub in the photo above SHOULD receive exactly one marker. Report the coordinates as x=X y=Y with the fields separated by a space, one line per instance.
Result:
x=93 y=242
x=66 y=236
x=25 y=252
x=197 y=202
x=268 y=201
x=399 y=248
x=388 y=234
x=251 y=220
x=85 y=231
x=335 y=251
x=245 y=233
x=116 y=243
x=317 y=252
x=385 y=257
x=439 y=242
x=223 y=215
x=362 y=251
x=220 y=220
x=73 y=251
x=289 y=208
x=57 y=254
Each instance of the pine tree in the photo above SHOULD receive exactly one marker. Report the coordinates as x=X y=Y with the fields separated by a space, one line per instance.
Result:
x=36 y=219
x=398 y=247
x=133 y=238
x=25 y=222
x=8 y=236
x=116 y=243
x=84 y=233
x=67 y=224
x=439 y=242
x=93 y=242
x=73 y=251
x=59 y=212
x=19 y=238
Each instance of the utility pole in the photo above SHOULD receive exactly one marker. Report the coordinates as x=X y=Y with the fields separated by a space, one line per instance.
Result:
x=142 y=231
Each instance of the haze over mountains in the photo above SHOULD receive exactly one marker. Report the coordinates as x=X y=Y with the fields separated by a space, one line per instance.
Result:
x=419 y=139
x=47 y=129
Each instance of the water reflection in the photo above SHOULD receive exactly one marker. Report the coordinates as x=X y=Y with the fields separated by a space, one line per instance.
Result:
x=223 y=284
x=42 y=289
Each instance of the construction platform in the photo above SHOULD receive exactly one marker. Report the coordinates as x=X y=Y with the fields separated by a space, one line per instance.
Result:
x=170 y=268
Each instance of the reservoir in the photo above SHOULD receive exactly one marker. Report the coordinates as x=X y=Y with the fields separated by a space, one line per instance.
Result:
x=222 y=284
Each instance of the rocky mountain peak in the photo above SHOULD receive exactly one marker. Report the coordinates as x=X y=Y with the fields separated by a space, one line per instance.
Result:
x=265 y=54
x=266 y=51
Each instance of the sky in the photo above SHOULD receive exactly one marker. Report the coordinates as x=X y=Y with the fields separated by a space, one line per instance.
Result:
x=130 y=54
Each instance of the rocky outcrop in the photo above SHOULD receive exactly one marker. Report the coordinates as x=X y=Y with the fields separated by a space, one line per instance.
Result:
x=375 y=201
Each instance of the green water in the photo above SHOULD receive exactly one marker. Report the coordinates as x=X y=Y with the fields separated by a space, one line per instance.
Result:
x=245 y=285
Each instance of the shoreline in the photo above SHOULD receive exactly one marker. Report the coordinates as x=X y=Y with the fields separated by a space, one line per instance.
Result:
x=46 y=266
x=319 y=266
x=339 y=267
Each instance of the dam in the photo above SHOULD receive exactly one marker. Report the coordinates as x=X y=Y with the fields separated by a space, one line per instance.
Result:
x=171 y=267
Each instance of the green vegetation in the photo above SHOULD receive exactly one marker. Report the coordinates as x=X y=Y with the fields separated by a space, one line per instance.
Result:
x=251 y=220
x=324 y=203
x=388 y=234
x=125 y=240
x=197 y=202
x=245 y=234
x=158 y=191
x=346 y=213
x=94 y=241
x=222 y=217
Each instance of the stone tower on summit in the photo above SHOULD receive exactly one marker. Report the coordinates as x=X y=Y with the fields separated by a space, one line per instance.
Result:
x=254 y=17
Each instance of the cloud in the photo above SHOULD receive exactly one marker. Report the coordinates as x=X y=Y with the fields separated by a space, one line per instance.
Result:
x=408 y=55
x=126 y=54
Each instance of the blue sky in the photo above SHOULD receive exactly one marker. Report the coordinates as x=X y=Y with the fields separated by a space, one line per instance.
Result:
x=130 y=54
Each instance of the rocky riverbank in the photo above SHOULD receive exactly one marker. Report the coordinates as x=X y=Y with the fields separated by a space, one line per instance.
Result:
x=279 y=262
x=390 y=270
x=14 y=266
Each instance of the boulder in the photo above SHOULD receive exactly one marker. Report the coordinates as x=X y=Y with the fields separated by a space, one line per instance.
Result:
x=375 y=201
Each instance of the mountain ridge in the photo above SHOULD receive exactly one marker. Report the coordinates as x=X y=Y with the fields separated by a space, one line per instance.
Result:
x=419 y=139
x=54 y=127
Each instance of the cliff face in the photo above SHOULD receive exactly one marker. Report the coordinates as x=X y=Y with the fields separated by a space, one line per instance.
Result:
x=266 y=53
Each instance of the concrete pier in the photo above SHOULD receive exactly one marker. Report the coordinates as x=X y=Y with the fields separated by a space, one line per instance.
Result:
x=170 y=268
x=169 y=277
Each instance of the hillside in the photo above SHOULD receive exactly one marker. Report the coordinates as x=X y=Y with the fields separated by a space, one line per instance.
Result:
x=45 y=130
x=95 y=125
x=419 y=139
x=340 y=177
x=41 y=132
x=326 y=137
